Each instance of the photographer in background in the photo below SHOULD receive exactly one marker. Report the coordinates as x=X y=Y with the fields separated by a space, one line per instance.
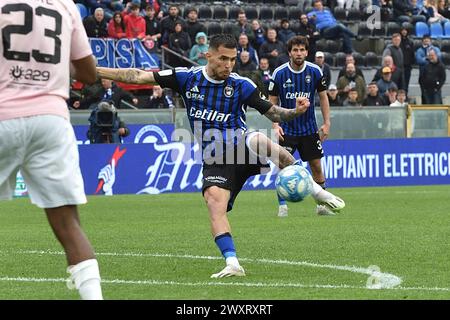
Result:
x=105 y=125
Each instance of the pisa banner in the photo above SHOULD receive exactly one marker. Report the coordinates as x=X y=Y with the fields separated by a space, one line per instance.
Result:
x=156 y=165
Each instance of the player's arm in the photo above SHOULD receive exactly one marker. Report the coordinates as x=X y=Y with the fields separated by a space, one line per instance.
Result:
x=274 y=112
x=275 y=125
x=83 y=70
x=324 y=130
x=128 y=75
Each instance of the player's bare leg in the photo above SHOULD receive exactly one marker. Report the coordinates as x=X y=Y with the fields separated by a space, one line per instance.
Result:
x=319 y=177
x=83 y=266
x=217 y=201
x=262 y=145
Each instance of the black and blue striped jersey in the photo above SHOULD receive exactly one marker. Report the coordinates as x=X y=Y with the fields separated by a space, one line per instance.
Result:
x=214 y=104
x=288 y=84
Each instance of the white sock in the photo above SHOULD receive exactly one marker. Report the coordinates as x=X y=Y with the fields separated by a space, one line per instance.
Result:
x=316 y=188
x=232 y=261
x=86 y=277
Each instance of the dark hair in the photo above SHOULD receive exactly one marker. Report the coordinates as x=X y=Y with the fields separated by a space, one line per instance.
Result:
x=122 y=23
x=226 y=40
x=191 y=9
x=135 y=6
x=297 y=41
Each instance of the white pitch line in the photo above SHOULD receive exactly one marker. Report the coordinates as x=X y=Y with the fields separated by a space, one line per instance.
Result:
x=220 y=284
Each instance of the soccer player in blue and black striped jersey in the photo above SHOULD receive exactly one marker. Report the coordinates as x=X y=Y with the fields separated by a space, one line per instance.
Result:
x=216 y=101
x=300 y=78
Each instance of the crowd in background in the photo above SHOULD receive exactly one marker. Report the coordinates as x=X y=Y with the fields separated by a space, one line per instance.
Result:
x=261 y=48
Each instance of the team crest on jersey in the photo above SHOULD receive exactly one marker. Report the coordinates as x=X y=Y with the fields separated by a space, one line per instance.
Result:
x=228 y=91
x=308 y=79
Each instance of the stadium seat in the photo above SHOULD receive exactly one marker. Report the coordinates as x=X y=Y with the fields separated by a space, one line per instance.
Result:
x=417 y=44
x=332 y=46
x=447 y=30
x=321 y=45
x=360 y=60
x=233 y=13
x=229 y=27
x=354 y=15
x=436 y=30
x=251 y=12
x=308 y=9
x=340 y=14
x=445 y=46
x=294 y=13
x=220 y=13
x=214 y=28
x=380 y=32
x=392 y=27
x=445 y=58
x=280 y=13
x=295 y=25
x=340 y=59
x=84 y=12
x=421 y=29
x=329 y=59
x=372 y=59
x=205 y=12
x=363 y=30
x=265 y=13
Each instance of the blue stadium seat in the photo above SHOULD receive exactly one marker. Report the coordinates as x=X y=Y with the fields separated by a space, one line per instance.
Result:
x=84 y=12
x=436 y=30
x=422 y=29
x=447 y=30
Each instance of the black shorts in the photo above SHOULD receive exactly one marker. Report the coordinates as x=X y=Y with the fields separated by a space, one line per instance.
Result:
x=232 y=176
x=309 y=147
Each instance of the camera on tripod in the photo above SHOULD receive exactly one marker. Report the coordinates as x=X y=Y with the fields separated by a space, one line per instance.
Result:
x=103 y=123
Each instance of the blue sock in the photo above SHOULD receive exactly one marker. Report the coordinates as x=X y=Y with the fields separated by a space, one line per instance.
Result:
x=226 y=245
x=280 y=200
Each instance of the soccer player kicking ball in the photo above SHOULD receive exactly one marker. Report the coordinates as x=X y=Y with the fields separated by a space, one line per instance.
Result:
x=300 y=78
x=216 y=101
x=40 y=39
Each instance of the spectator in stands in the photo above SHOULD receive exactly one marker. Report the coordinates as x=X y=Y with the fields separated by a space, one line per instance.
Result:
x=326 y=71
x=385 y=83
x=156 y=4
x=159 y=100
x=422 y=52
x=401 y=99
x=349 y=81
x=396 y=75
x=134 y=22
x=95 y=24
x=273 y=49
x=350 y=59
x=168 y=23
x=352 y=99
x=259 y=35
x=419 y=13
x=433 y=11
x=348 y=4
x=373 y=97
x=407 y=46
x=264 y=70
x=285 y=32
x=333 y=97
x=329 y=28
x=394 y=50
x=98 y=132
x=431 y=79
x=443 y=8
x=152 y=26
x=116 y=26
x=403 y=10
x=245 y=63
x=244 y=27
x=108 y=91
x=198 y=51
x=180 y=42
x=391 y=95
x=103 y=4
x=308 y=30
x=193 y=26
x=244 y=45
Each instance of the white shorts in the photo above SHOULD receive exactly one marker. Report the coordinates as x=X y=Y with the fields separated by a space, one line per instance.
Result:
x=44 y=149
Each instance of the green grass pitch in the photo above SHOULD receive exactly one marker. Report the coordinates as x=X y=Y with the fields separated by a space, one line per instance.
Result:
x=160 y=247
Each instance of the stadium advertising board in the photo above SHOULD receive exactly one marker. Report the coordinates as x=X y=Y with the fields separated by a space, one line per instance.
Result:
x=152 y=168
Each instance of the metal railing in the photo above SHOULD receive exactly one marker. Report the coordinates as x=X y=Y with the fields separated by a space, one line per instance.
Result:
x=166 y=50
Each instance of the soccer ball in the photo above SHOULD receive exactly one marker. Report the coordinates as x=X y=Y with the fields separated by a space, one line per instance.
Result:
x=293 y=183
